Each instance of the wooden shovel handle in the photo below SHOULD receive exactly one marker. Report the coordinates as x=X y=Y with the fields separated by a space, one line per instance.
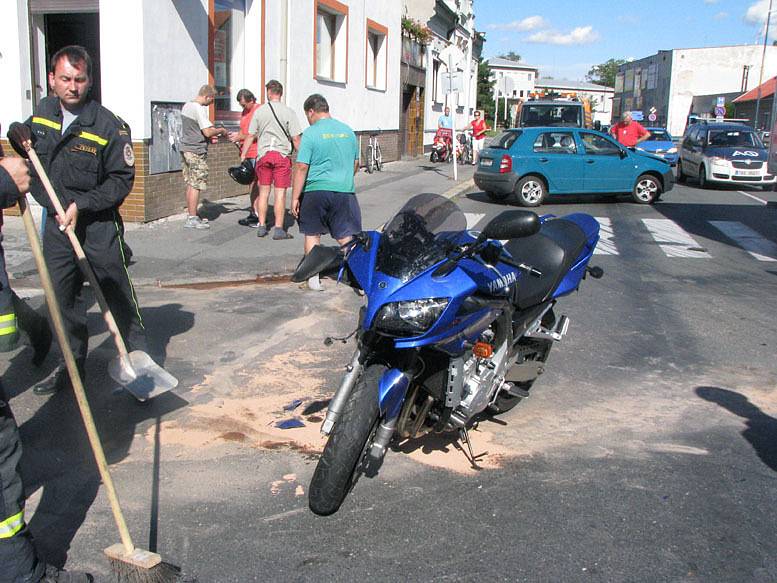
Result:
x=75 y=376
x=110 y=321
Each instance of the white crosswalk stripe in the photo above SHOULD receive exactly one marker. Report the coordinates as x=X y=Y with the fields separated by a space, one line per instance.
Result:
x=606 y=245
x=751 y=241
x=473 y=219
x=674 y=240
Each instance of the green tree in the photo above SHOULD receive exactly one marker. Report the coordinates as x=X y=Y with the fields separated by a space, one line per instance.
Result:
x=604 y=73
x=485 y=99
x=511 y=56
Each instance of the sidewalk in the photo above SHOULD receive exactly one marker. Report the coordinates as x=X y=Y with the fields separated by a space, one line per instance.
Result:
x=165 y=253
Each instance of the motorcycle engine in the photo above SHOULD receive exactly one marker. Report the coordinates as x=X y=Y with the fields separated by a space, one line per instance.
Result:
x=483 y=377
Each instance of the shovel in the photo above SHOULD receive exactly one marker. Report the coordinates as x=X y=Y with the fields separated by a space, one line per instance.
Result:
x=136 y=371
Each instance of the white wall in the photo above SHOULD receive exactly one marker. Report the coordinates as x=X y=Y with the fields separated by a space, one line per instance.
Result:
x=521 y=81
x=351 y=102
x=14 y=63
x=712 y=70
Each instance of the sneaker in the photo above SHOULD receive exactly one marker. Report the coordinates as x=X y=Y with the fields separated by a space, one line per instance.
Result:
x=261 y=230
x=196 y=223
x=55 y=384
x=250 y=221
x=279 y=234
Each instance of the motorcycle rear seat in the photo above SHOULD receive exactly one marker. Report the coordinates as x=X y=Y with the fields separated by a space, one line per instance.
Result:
x=553 y=251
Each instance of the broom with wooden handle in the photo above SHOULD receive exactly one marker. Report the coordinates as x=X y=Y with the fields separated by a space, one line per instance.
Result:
x=128 y=562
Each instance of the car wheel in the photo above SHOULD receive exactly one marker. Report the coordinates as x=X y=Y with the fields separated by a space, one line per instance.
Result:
x=531 y=191
x=680 y=175
x=497 y=196
x=703 y=178
x=647 y=189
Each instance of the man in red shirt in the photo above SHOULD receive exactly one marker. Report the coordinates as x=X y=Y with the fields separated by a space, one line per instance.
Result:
x=629 y=132
x=248 y=102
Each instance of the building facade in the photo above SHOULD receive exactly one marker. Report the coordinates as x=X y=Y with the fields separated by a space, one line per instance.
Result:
x=451 y=23
x=522 y=78
x=151 y=56
x=599 y=96
x=669 y=80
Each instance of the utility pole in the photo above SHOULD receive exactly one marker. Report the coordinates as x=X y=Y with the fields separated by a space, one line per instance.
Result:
x=761 y=75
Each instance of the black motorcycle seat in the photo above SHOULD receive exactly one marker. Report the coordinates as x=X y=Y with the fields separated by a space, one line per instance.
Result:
x=552 y=251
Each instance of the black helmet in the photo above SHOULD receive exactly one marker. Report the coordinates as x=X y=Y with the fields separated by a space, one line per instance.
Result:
x=243 y=174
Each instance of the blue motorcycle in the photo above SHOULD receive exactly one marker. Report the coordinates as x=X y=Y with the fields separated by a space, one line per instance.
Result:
x=457 y=324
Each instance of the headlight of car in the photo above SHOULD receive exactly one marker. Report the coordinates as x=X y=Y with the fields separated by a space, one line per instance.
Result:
x=411 y=317
x=672 y=150
x=718 y=161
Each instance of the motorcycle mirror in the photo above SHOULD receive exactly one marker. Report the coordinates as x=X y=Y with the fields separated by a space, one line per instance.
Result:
x=512 y=225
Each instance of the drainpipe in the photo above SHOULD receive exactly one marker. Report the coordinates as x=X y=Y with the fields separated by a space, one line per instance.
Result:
x=285 y=35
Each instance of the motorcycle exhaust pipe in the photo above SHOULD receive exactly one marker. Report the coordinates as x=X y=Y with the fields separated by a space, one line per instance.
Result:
x=354 y=369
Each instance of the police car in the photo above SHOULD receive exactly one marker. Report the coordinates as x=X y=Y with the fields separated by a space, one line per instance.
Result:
x=723 y=153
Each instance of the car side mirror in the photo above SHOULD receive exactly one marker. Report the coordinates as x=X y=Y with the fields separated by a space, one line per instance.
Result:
x=623 y=154
x=512 y=225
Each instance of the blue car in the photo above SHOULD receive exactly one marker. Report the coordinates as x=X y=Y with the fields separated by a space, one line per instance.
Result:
x=535 y=162
x=660 y=143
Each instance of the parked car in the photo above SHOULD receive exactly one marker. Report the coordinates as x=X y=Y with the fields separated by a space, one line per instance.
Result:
x=535 y=162
x=725 y=153
x=661 y=144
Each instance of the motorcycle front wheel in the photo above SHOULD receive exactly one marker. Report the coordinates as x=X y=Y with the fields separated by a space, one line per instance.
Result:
x=341 y=463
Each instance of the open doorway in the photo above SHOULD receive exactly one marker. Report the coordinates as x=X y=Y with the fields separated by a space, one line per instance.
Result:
x=53 y=30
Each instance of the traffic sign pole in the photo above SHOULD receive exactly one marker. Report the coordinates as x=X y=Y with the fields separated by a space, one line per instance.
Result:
x=453 y=121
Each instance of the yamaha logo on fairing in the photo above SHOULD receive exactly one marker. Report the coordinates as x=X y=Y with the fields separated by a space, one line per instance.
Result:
x=750 y=153
x=502 y=282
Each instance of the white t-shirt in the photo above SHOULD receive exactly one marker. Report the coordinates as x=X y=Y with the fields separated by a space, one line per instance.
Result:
x=194 y=119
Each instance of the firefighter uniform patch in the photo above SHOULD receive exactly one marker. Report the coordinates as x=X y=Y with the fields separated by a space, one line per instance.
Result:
x=129 y=155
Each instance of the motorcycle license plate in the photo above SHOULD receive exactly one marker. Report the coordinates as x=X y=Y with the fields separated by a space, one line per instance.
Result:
x=486 y=161
x=747 y=172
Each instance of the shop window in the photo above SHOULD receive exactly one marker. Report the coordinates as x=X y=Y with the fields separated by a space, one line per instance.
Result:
x=228 y=55
x=331 y=41
x=377 y=56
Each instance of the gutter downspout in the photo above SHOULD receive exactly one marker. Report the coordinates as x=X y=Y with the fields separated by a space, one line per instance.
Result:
x=285 y=35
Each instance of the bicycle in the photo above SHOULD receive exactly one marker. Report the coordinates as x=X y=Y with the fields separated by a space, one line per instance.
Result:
x=374 y=155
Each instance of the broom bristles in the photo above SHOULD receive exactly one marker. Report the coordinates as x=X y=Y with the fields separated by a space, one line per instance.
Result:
x=161 y=573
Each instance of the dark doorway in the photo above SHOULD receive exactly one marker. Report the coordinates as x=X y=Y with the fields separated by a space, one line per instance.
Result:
x=75 y=29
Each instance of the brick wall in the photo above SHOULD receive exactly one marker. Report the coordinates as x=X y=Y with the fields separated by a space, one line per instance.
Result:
x=389 y=145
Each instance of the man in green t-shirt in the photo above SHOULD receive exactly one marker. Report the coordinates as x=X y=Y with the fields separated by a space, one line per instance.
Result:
x=323 y=199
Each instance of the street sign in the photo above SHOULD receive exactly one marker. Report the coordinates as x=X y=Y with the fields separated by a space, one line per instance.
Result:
x=719 y=119
x=720 y=111
x=653 y=110
x=505 y=86
x=721 y=101
x=637 y=115
x=453 y=82
x=652 y=116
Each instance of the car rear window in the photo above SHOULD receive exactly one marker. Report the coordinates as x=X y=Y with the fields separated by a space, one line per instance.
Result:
x=504 y=140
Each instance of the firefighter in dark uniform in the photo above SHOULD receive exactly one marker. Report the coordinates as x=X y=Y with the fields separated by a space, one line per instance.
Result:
x=87 y=153
x=18 y=561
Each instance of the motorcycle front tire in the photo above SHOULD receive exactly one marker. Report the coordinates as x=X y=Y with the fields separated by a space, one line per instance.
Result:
x=339 y=465
x=435 y=157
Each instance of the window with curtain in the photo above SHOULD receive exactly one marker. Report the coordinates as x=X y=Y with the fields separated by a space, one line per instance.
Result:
x=331 y=41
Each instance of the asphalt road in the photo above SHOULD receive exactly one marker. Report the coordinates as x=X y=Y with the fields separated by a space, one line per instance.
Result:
x=647 y=451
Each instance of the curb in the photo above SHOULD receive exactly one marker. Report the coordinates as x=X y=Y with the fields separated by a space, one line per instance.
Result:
x=459 y=189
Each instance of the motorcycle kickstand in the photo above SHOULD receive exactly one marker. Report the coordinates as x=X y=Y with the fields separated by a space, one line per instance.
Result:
x=464 y=436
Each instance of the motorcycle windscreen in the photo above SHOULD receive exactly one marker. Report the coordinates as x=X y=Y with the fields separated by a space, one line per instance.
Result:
x=419 y=236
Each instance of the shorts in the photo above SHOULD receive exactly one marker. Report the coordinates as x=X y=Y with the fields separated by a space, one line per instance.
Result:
x=195 y=170
x=325 y=211
x=274 y=169
x=477 y=145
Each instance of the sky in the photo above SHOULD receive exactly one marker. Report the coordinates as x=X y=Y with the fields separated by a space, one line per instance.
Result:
x=565 y=38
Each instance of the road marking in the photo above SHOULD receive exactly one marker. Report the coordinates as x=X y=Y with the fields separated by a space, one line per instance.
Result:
x=673 y=240
x=606 y=245
x=754 y=197
x=751 y=241
x=473 y=219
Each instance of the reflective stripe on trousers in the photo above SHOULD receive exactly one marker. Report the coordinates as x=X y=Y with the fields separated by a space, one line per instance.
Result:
x=7 y=324
x=10 y=526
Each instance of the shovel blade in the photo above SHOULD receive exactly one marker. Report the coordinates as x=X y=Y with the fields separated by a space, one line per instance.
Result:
x=142 y=378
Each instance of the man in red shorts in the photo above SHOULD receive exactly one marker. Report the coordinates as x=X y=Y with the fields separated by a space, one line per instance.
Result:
x=629 y=132
x=276 y=129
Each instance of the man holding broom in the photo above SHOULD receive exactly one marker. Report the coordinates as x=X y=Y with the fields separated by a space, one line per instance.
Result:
x=18 y=562
x=87 y=152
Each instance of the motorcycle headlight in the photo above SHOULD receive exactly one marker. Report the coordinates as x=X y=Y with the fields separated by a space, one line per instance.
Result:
x=672 y=150
x=411 y=317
